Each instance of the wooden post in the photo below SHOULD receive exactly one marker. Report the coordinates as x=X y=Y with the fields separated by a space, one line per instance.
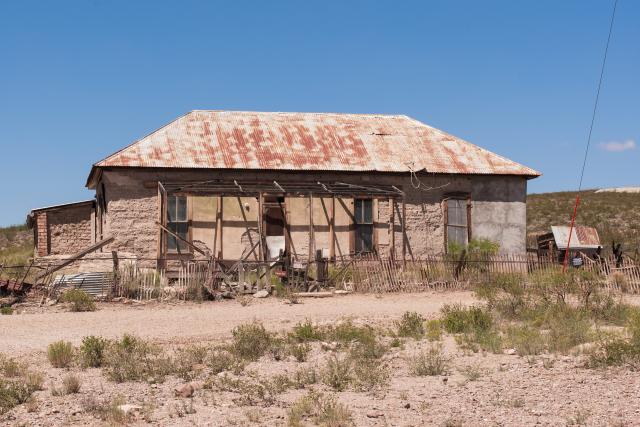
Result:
x=332 y=229
x=116 y=271
x=392 y=225
x=261 y=251
x=311 y=235
x=404 y=231
x=162 y=219
x=218 y=234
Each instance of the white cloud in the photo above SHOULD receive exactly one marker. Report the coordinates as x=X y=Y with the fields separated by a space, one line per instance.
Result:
x=617 y=146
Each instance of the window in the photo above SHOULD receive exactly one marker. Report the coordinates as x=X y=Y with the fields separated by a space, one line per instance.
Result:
x=363 y=216
x=177 y=222
x=457 y=222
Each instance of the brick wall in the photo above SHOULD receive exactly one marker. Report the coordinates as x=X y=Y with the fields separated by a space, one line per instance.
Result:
x=42 y=234
x=69 y=229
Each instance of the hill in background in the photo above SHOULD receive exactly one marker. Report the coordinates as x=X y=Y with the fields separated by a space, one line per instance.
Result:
x=616 y=216
x=16 y=245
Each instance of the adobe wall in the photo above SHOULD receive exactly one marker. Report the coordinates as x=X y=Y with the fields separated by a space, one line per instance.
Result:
x=498 y=211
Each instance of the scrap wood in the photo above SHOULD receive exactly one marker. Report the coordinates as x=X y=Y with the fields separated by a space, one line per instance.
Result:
x=313 y=294
x=75 y=257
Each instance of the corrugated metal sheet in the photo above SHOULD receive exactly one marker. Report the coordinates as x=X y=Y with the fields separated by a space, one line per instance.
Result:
x=581 y=237
x=95 y=284
x=309 y=141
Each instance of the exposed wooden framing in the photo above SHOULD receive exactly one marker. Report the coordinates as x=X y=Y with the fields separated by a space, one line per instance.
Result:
x=332 y=229
x=162 y=213
x=289 y=246
x=404 y=231
x=75 y=257
x=217 y=248
x=311 y=231
x=392 y=231
x=189 y=244
x=261 y=251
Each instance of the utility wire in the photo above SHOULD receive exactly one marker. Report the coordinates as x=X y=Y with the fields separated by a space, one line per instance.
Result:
x=593 y=119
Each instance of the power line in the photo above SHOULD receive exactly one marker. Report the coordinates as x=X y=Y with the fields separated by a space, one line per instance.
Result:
x=593 y=119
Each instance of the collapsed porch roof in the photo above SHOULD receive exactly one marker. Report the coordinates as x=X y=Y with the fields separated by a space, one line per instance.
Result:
x=237 y=188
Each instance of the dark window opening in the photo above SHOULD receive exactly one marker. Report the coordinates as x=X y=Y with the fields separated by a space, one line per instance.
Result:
x=178 y=223
x=457 y=223
x=363 y=216
x=274 y=216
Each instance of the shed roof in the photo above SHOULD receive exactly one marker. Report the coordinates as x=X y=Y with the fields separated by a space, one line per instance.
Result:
x=309 y=141
x=581 y=237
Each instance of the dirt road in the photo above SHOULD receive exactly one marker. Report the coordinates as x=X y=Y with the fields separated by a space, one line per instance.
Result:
x=29 y=332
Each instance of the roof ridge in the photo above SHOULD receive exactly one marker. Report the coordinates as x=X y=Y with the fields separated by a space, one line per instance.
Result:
x=319 y=113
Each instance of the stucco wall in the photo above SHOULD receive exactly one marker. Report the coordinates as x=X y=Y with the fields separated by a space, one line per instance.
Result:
x=498 y=210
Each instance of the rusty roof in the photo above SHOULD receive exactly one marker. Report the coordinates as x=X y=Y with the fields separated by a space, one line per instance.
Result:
x=309 y=141
x=581 y=237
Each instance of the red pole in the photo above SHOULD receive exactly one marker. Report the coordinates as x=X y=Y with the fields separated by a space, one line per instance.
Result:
x=573 y=220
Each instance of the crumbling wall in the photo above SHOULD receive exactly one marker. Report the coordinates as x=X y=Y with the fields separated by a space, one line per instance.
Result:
x=69 y=228
x=497 y=210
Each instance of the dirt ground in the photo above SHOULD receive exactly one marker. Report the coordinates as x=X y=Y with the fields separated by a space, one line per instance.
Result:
x=509 y=390
x=188 y=322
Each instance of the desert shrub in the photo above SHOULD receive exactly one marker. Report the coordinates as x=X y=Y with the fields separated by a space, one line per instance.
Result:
x=133 y=359
x=347 y=332
x=552 y=286
x=300 y=351
x=92 y=351
x=433 y=330
x=369 y=374
x=505 y=293
x=472 y=372
x=79 y=299
x=17 y=383
x=70 y=385
x=304 y=376
x=306 y=331
x=458 y=319
x=429 y=363
x=251 y=341
x=278 y=348
x=633 y=326
x=6 y=310
x=485 y=340
x=567 y=329
x=320 y=410
x=368 y=349
x=337 y=373
x=615 y=352
x=60 y=354
x=221 y=360
x=525 y=340
x=605 y=307
x=107 y=410
x=411 y=325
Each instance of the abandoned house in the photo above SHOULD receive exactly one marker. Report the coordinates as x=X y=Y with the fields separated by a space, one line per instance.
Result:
x=258 y=185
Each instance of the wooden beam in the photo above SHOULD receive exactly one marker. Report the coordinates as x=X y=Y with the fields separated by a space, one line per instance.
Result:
x=332 y=229
x=76 y=256
x=311 y=235
x=191 y=245
x=404 y=231
x=392 y=225
x=261 y=249
x=217 y=247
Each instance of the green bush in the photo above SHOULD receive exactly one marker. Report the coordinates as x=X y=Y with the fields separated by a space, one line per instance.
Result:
x=486 y=340
x=133 y=359
x=567 y=329
x=80 y=300
x=251 y=341
x=60 y=354
x=458 y=319
x=92 y=351
x=369 y=374
x=222 y=360
x=347 y=333
x=615 y=352
x=306 y=331
x=6 y=310
x=411 y=325
x=525 y=340
x=368 y=350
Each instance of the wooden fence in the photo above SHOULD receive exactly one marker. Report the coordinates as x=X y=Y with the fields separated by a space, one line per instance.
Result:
x=373 y=273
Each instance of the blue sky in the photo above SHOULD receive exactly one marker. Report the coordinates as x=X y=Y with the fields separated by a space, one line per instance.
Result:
x=79 y=80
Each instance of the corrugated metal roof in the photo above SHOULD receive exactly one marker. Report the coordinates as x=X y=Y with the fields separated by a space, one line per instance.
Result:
x=309 y=141
x=581 y=237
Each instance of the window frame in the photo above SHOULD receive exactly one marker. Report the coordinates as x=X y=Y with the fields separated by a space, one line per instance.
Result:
x=181 y=247
x=466 y=198
x=358 y=224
